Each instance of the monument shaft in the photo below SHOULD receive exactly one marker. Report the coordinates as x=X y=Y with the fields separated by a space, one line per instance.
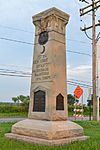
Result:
x=48 y=84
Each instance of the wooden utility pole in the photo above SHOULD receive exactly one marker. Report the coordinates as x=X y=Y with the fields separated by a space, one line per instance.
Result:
x=93 y=7
x=94 y=65
x=97 y=82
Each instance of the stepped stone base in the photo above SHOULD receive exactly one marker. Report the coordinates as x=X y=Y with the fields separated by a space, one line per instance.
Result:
x=47 y=132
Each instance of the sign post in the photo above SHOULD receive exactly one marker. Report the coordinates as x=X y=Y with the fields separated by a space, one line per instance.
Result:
x=78 y=92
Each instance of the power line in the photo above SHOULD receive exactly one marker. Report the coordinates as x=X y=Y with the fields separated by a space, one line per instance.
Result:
x=74 y=84
x=17 y=41
x=73 y=40
x=4 y=74
x=68 y=82
x=29 y=43
x=15 y=29
x=80 y=81
x=81 y=53
x=24 y=42
x=17 y=72
x=12 y=65
x=22 y=72
x=14 y=71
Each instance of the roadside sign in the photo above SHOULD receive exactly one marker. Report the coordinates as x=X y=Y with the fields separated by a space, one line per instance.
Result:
x=78 y=91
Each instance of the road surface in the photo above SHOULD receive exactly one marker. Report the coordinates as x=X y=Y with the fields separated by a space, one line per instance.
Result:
x=16 y=119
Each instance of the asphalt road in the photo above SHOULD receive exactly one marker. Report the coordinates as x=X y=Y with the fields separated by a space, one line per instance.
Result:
x=11 y=119
x=15 y=119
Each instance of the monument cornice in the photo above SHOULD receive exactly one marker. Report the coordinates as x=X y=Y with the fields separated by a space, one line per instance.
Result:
x=51 y=20
x=51 y=12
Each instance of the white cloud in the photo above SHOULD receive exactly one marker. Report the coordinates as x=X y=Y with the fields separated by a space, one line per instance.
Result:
x=83 y=72
x=79 y=71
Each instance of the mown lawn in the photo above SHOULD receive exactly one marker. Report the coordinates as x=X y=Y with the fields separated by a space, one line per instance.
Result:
x=14 y=114
x=91 y=129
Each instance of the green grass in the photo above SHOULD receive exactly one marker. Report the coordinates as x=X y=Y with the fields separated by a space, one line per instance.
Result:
x=91 y=129
x=13 y=114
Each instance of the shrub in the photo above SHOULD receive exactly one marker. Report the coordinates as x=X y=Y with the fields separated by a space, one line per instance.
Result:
x=11 y=108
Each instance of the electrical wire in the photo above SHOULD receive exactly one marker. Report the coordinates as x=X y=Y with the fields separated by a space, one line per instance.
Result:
x=17 y=72
x=29 y=43
x=17 y=41
x=23 y=42
x=7 y=71
x=74 y=84
x=15 y=29
x=5 y=74
x=83 y=42
x=14 y=71
x=34 y=33
x=80 y=81
x=12 y=65
x=68 y=82
x=81 y=53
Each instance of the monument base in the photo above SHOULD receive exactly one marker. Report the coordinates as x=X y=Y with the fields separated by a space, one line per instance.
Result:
x=47 y=132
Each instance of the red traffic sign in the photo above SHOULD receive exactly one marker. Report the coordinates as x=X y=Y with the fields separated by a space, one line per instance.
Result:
x=78 y=91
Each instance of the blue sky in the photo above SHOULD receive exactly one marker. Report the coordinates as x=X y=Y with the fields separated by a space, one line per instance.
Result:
x=17 y=56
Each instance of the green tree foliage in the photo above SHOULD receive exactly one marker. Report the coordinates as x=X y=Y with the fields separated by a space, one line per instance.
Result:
x=21 y=99
x=71 y=99
x=14 y=99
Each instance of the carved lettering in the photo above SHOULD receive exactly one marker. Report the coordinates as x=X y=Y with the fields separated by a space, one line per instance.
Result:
x=41 y=68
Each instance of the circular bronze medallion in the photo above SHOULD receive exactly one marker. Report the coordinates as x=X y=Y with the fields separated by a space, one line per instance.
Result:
x=43 y=38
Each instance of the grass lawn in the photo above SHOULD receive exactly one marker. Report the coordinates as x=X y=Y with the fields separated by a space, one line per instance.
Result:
x=19 y=114
x=91 y=129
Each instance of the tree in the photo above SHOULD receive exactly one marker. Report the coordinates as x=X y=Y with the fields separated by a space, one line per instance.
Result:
x=71 y=99
x=21 y=98
x=24 y=99
x=15 y=99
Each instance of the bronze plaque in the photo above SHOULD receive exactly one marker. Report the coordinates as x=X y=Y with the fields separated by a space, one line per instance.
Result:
x=39 y=101
x=43 y=38
x=59 y=102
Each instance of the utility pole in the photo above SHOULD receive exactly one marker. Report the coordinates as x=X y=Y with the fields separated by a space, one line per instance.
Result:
x=92 y=8
x=97 y=89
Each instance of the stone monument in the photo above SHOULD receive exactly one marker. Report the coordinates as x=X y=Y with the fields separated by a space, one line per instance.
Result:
x=47 y=119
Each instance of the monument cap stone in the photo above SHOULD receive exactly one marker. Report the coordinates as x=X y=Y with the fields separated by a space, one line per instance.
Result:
x=49 y=20
x=50 y=12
